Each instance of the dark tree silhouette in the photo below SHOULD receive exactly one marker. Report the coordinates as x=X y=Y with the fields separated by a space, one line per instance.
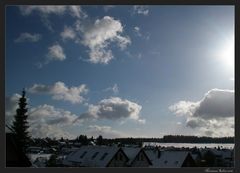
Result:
x=99 y=140
x=20 y=123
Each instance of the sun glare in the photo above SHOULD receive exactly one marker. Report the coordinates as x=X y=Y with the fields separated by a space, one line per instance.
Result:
x=227 y=54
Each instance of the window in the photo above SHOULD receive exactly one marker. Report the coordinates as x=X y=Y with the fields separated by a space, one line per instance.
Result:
x=94 y=155
x=104 y=155
x=84 y=153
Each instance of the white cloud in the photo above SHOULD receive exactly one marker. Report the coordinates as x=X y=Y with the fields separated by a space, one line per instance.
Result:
x=214 y=114
x=137 y=31
x=212 y=127
x=45 y=10
x=60 y=91
x=56 y=52
x=27 y=37
x=182 y=108
x=98 y=37
x=108 y=7
x=114 y=89
x=50 y=115
x=76 y=11
x=73 y=10
x=114 y=108
x=44 y=120
x=48 y=121
x=45 y=130
x=68 y=33
x=105 y=131
x=140 y=9
x=216 y=103
x=11 y=104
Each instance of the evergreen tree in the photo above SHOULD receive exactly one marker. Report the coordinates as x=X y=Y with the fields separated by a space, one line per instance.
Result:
x=99 y=140
x=20 y=123
x=52 y=162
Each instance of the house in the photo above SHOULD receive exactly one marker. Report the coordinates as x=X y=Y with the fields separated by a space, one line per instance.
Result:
x=170 y=159
x=224 y=157
x=137 y=157
x=197 y=157
x=33 y=149
x=96 y=156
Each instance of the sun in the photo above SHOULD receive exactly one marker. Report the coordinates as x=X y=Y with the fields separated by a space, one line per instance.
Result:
x=227 y=54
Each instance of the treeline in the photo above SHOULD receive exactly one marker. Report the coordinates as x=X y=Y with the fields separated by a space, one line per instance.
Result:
x=171 y=139
x=196 y=139
x=84 y=140
x=175 y=139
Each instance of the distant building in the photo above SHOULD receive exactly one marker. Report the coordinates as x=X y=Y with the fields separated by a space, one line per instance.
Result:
x=137 y=157
x=96 y=156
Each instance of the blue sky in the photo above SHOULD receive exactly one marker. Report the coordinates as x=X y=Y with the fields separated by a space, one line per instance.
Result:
x=141 y=71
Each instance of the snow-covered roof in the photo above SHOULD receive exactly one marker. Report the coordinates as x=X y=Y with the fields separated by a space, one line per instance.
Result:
x=33 y=157
x=92 y=156
x=167 y=158
x=152 y=154
x=222 y=153
x=131 y=153
x=173 y=158
x=195 y=156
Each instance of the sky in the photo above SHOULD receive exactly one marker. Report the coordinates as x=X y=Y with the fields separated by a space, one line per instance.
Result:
x=121 y=71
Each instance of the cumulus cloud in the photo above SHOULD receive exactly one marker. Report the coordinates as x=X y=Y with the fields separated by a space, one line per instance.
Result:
x=50 y=115
x=60 y=91
x=27 y=37
x=114 y=108
x=105 y=131
x=214 y=114
x=182 y=108
x=216 y=103
x=99 y=35
x=44 y=120
x=48 y=121
x=212 y=127
x=68 y=33
x=45 y=130
x=11 y=104
x=140 y=9
x=56 y=53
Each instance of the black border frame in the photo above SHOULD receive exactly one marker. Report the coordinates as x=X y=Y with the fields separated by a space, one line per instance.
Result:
x=3 y=3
